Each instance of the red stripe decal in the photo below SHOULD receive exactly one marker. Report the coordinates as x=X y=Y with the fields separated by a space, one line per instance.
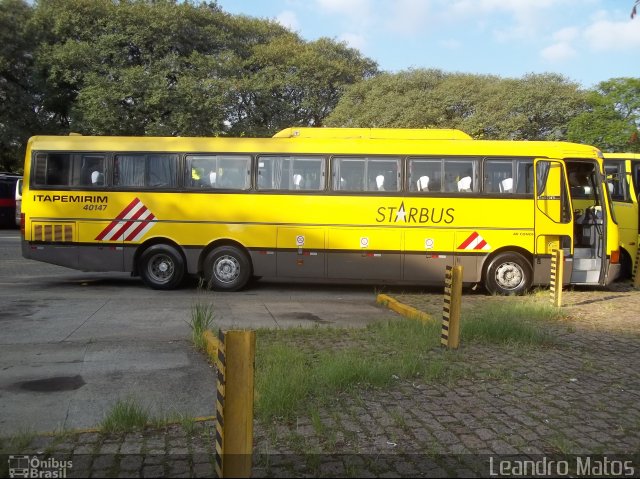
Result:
x=481 y=245
x=139 y=228
x=469 y=240
x=128 y=223
x=119 y=218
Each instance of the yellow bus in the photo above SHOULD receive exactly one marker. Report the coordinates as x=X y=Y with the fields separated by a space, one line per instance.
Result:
x=344 y=205
x=623 y=172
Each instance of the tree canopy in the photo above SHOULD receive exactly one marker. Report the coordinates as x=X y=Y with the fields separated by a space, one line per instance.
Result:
x=612 y=118
x=535 y=107
x=167 y=67
x=160 y=67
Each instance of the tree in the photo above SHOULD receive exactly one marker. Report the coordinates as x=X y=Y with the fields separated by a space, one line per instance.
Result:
x=288 y=82
x=162 y=67
x=612 y=121
x=19 y=108
x=534 y=107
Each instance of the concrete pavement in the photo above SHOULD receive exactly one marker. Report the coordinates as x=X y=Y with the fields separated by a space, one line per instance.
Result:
x=85 y=340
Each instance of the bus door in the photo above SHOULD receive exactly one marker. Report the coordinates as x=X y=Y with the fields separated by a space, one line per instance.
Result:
x=552 y=218
x=635 y=180
x=589 y=206
x=625 y=207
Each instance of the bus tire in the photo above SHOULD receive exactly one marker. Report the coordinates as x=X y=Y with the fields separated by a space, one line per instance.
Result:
x=626 y=266
x=508 y=274
x=227 y=268
x=161 y=267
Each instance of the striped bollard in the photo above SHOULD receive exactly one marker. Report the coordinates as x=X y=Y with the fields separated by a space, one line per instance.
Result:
x=635 y=275
x=452 y=304
x=234 y=403
x=557 y=273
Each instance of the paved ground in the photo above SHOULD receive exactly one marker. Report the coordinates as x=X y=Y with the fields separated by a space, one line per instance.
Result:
x=73 y=343
x=579 y=397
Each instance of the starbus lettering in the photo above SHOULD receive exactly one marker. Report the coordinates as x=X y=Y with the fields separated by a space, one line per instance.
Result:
x=71 y=198
x=393 y=214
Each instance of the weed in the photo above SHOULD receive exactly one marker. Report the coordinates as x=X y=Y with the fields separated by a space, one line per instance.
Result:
x=561 y=443
x=125 y=416
x=19 y=442
x=202 y=319
x=511 y=323
x=398 y=418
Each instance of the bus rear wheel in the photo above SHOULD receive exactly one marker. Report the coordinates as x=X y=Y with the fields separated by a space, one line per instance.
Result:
x=227 y=268
x=508 y=274
x=161 y=267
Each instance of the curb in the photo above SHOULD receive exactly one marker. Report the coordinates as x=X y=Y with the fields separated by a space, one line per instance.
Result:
x=403 y=309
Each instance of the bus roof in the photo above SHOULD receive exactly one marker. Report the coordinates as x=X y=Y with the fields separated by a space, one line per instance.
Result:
x=374 y=133
x=621 y=156
x=340 y=145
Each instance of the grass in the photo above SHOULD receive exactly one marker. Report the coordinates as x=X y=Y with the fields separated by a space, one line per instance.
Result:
x=18 y=442
x=125 y=416
x=202 y=319
x=306 y=369
x=521 y=323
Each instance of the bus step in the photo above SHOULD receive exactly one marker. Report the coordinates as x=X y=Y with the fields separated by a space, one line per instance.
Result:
x=585 y=277
x=587 y=253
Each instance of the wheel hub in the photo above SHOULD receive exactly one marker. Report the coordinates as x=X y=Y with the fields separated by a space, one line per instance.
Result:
x=509 y=275
x=161 y=268
x=226 y=269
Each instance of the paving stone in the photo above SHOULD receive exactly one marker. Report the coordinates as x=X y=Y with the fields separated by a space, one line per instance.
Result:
x=580 y=395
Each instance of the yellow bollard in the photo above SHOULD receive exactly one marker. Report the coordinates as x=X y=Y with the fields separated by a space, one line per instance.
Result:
x=452 y=305
x=636 y=276
x=557 y=277
x=234 y=404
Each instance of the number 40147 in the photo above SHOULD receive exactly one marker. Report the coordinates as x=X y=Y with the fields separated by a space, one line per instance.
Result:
x=94 y=207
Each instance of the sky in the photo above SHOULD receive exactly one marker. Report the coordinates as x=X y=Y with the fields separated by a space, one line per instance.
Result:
x=586 y=41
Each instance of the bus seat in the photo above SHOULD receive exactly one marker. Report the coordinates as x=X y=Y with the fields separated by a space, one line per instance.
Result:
x=423 y=183
x=464 y=184
x=297 y=181
x=97 y=178
x=380 y=182
x=212 y=178
x=506 y=185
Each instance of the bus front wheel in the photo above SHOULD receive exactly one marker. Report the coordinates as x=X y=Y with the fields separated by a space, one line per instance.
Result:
x=508 y=274
x=161 y=267
x=227 y=268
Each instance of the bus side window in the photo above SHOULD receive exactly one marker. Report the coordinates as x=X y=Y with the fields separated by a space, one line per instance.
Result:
x=617 y=180
x=234 y=172
x=162 y=171
x=382 y=174
x=460 y=175
x=349 y=174
x=498 y=176
x=92 y=172
x=425 y=175
x=524 y=177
